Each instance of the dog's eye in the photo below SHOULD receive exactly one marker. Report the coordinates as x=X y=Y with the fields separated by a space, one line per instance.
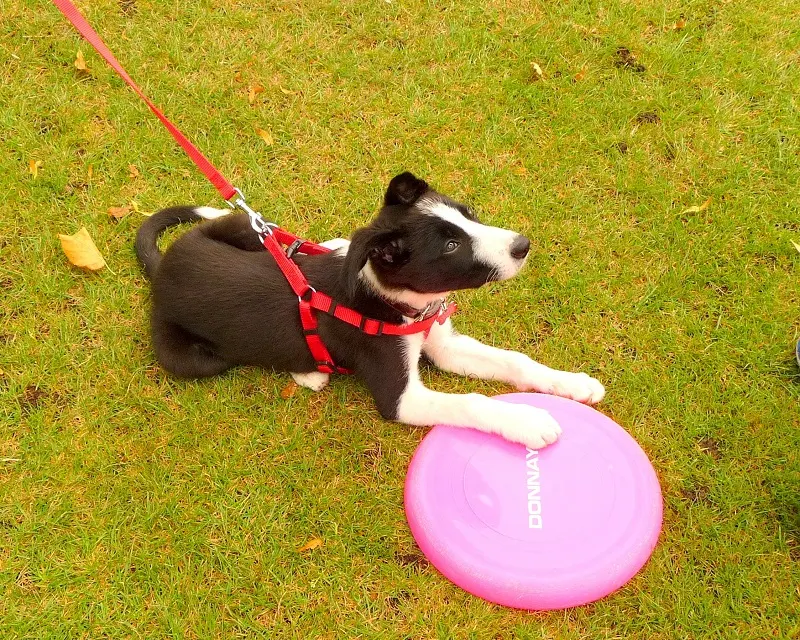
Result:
x=451 y=246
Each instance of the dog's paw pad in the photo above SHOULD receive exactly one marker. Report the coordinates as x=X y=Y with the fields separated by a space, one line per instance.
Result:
x=314 y=380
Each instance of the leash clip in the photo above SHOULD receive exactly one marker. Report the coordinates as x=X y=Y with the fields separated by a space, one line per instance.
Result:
x=433 y=308
x=260 y=226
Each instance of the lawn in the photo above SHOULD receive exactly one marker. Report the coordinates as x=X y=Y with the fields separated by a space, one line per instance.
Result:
x=136 y=505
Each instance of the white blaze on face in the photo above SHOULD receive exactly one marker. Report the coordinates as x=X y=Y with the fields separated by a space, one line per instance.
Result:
x=490 y=245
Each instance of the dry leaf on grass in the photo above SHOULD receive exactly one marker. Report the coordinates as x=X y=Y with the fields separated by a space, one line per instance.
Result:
x=80 y=62
x=81 y=250
x=680 y=25
x=252 y=91
x=265 y=135
x=136 y=209
x=286 y=92
x=133 y=171
x=796 y=246
x=580 y=75
x=311 y=544
x=289 y=390
x=118 y=213
x=33 y=167
x=537 y=73
x=696 y=208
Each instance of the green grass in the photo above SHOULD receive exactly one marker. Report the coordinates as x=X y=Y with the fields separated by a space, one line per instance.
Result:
x=139 y=506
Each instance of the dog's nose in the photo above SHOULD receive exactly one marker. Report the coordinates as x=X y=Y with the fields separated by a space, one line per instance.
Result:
x=520 y=247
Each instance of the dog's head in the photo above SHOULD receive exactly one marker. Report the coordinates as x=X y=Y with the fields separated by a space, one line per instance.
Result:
x=423 y=245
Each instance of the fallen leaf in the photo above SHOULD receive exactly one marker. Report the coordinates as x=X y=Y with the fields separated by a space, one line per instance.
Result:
x=81 y=250
x=136 y=209
x=580 y=75
x=80 y=62
x=118 y=213
x=252 y=91
x=696 y=208
x=289 y=390
x=133 y=171
x=34 y=166
x=311 y=544
x=537 y=72
x=265 y=135
x=680 y=24
x=237 y=77
x=286 y=92
x=90 y=172
x=796 y=246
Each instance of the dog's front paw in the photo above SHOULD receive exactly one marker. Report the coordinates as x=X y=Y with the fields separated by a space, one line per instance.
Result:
x=535 y=428
x=578 y=386
x=314 y=380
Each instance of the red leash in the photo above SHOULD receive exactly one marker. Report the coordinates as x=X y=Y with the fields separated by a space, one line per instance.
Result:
x=272 y=236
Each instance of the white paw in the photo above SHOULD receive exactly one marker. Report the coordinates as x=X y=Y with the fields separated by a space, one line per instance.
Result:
x=535 y=428
x=578 y=386
x=314 y=380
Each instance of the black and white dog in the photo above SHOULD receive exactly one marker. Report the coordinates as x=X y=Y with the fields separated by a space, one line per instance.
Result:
x=219 y=300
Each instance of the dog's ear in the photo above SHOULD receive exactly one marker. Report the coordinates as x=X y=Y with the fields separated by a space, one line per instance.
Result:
x=405 y=189
x=386 y=247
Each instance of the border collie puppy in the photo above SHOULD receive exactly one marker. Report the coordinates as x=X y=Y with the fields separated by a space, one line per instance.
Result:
x=219 y=300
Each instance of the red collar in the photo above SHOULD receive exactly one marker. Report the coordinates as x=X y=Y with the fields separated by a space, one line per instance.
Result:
x=310 y=300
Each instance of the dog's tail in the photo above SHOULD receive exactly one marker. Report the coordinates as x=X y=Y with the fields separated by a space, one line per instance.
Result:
x=147 y=236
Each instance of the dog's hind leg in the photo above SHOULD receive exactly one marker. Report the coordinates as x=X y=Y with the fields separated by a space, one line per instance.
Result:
x=184 y=354
x=314 y=380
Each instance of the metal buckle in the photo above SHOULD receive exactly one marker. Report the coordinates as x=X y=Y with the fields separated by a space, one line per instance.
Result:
x=311 y=290
x=431 y=309
x=260 y=226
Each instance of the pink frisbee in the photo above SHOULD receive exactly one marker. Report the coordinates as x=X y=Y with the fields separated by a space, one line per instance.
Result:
x=546 y=529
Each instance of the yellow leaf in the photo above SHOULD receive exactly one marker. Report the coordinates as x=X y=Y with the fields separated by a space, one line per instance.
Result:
x=537 y=72
x=34 y=166
x=80 y=63
x=286 y=92
x=796 y=246
x=680 y=24
x=289 y=390
x=81 y=250
x=252 y=91
x=696 y=208
x=119 y=212
x=580 y=75
x=90 y=172
x=136 y=209
x=133 y=171
x=265 y=135
x=311 y=544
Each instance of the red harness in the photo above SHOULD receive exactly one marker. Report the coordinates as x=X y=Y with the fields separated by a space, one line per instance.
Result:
x=272 y=237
